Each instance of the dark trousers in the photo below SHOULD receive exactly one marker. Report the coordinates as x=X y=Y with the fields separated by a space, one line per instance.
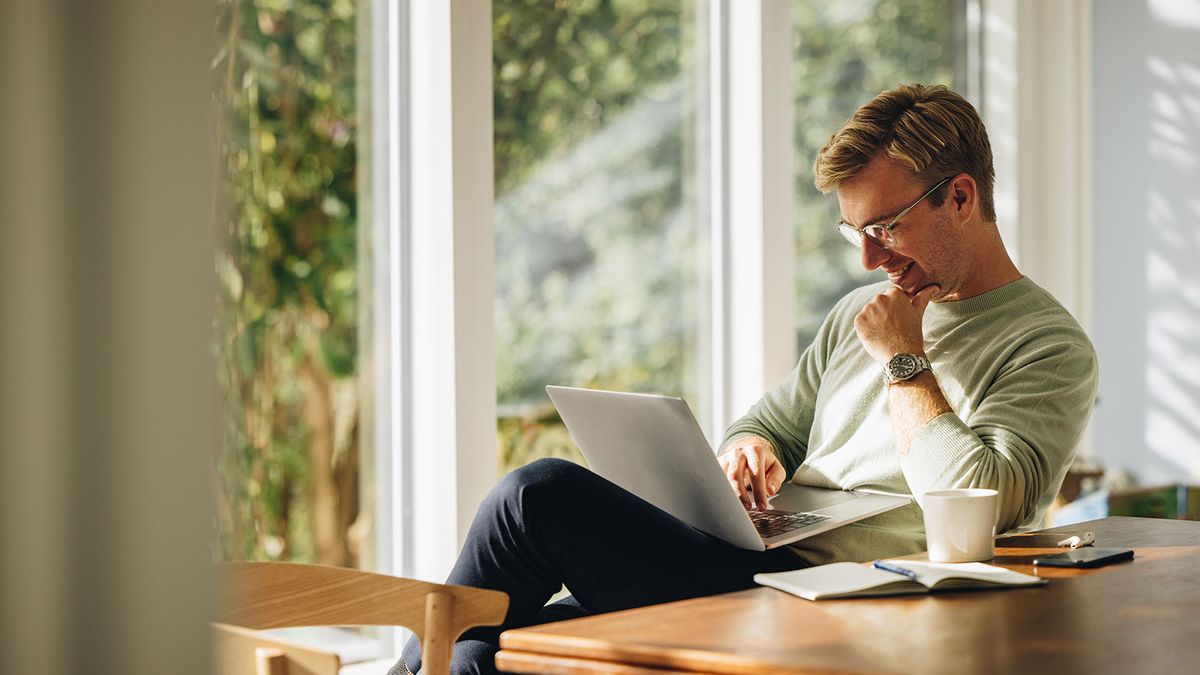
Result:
x=553 y=523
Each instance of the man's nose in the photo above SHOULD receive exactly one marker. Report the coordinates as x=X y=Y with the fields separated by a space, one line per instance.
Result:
x=873 y=255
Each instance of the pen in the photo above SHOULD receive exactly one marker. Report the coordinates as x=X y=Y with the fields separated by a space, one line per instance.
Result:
x=894 y=569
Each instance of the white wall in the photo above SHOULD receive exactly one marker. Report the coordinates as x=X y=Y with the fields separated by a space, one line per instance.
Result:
x=1146 y=273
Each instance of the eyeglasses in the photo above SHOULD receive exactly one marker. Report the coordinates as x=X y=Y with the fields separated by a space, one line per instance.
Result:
x=881 y=235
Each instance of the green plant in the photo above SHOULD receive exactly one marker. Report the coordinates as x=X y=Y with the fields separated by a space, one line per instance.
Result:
x=286 y=476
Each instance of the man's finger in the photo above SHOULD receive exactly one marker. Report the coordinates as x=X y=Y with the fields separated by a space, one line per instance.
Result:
x=737 y=478
x=923 y=296
x=758 y=479
x=775 y=476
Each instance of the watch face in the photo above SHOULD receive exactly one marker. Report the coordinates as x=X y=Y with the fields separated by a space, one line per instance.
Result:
x=902 y=366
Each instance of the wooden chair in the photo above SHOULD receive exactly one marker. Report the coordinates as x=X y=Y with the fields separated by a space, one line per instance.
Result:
x=260 y=595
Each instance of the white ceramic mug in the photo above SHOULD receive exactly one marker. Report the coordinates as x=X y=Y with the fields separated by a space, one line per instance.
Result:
x=960 y=525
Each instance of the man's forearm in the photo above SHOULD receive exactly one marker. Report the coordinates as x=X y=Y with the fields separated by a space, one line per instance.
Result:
x=911 y=404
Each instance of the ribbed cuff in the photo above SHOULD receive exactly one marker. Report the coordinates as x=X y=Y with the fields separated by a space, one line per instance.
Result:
x=745 y=434
x=936 y=452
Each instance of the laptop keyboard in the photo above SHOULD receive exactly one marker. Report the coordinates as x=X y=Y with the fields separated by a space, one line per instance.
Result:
x=774 y=523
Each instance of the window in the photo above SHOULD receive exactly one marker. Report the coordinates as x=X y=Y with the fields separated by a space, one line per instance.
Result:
x=288 y=473
x=601 y=261
x=844 y=53
x=292 y=478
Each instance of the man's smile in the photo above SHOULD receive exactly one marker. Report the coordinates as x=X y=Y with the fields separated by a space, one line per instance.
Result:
x=897 y=272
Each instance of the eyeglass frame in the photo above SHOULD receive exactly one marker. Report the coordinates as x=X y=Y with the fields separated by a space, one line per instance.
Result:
x=855 y=235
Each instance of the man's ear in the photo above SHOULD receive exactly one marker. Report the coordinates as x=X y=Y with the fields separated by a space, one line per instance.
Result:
x=962 y=191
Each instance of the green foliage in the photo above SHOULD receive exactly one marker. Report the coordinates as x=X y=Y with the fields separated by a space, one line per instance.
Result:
x=287 y=322
x=564 y=72
x=531 y=433
x=596 y=275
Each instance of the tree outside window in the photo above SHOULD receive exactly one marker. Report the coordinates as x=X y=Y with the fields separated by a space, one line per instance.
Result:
x=286 y=476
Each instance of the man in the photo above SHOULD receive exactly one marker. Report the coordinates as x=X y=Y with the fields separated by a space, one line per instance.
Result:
x=955 y=372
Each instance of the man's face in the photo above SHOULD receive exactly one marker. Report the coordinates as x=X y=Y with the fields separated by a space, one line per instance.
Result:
x=927 y=248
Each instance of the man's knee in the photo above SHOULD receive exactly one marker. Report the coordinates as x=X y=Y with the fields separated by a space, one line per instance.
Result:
x=542 y=475
x=544 y=480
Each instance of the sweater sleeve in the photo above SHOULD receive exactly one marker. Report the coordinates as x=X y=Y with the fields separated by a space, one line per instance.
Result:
x=784 y=415
x=1021 y=437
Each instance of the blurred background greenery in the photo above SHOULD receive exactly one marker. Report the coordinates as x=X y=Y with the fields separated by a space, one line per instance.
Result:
x=286 y=476
x=598 y=258
x=601 y=257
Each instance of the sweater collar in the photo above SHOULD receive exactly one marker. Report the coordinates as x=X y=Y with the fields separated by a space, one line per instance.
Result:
x=984 y=301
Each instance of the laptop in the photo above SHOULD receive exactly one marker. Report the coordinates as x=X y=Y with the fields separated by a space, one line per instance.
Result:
x=653 y=447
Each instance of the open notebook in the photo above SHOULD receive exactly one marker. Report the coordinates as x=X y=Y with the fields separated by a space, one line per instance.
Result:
x=852 y=580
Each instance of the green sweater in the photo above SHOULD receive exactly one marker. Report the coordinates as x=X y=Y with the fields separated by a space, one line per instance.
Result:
x=1014 y=365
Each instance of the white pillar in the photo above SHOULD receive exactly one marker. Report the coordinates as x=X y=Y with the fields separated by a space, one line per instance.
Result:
x=759 y=325
x=453 y=395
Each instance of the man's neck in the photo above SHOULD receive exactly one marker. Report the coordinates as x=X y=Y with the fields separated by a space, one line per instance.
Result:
x=994 y=267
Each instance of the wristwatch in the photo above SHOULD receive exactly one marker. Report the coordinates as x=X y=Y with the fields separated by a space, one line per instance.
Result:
x=904 y=367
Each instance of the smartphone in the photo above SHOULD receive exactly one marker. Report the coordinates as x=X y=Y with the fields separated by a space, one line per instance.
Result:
x=1084 y=557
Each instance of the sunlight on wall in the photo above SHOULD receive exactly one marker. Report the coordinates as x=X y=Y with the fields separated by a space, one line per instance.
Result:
x=1147 y=237
x=1179 y=13
x=1172 y=329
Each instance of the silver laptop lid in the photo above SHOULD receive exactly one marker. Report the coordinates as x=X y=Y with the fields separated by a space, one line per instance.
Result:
x=652 y=446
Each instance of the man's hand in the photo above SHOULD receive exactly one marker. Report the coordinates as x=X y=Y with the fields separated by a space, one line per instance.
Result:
x=753 y=471
x=890 y=323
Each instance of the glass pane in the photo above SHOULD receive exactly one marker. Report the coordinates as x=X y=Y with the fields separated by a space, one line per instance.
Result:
x=843 y=54
x=287 y=475
x=600 y=253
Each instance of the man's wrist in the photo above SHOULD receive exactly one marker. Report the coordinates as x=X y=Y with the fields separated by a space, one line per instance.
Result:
x=747 y=439
x=921 y=379
x=904 y=366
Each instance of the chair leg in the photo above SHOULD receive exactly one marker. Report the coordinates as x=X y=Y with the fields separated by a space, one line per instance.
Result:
x=270 y=661
x=436 y=648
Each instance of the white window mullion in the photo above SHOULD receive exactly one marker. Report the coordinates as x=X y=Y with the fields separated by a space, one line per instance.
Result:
x=453 y=392
x=381 y=248
x=716 y=177
x=1053 y=221
x=758 y=317
x=1037 y=83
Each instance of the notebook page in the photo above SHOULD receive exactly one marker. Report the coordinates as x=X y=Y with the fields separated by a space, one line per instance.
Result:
x=930 y=574
x=838 y=579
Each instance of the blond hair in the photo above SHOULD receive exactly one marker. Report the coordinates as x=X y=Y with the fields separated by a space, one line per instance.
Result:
x=931 y=130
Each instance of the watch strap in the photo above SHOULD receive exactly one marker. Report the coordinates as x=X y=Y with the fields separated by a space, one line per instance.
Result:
x=902 y=367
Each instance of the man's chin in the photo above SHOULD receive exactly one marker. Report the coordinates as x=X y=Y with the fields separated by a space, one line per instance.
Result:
x=908 y=289
x=912 y=288
x=937 y=294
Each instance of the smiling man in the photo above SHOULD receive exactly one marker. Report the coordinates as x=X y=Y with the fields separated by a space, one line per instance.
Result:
x=955 y=372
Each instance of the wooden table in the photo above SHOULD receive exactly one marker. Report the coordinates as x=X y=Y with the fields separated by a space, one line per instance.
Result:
x=1141 y=616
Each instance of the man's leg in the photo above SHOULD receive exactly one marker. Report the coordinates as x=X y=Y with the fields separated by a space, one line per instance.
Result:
x=552 y=523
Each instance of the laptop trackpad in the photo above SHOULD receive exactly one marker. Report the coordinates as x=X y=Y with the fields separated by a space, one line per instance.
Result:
x=797 y=498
